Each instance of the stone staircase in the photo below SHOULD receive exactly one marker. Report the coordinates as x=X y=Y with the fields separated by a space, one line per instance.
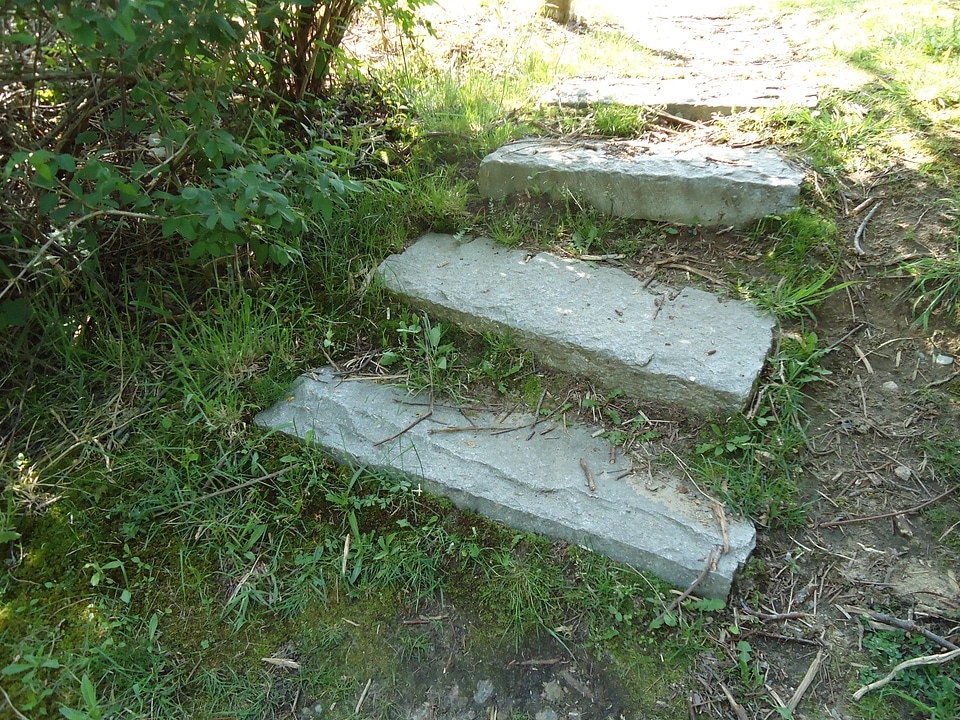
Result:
x=675 y=345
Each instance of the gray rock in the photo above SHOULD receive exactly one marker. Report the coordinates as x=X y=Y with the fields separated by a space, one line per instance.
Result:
x=536 y=484
x=547 y=714
x=707 y=185
x=600 y=322
x=690 y=99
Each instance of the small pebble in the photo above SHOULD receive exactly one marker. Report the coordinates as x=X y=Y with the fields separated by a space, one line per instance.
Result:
x=944 y=360
x=890 y=386
x=902 y=472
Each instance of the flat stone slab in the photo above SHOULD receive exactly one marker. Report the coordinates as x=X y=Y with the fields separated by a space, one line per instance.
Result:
x=707 y=185
x=691 y=99
x=685 y=347
x=530 y=478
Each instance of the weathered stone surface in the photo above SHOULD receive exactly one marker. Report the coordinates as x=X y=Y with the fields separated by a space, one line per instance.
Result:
x=687 y=98
x=528 y=478
x=707 y=185
x=694 y=351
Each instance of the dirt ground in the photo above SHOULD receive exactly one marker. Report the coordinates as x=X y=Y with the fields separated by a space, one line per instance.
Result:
x=865 y=460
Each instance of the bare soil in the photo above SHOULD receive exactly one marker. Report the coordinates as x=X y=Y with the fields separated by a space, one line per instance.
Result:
x=866 y=459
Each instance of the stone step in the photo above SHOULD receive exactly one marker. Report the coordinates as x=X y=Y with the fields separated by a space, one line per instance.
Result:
x=529 y=477
x=707 y=185
x=690 y=99
x=680 y=346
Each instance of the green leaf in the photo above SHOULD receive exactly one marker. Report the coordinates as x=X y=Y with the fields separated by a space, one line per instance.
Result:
x=15 y=668
x=88 y=692
x=8 y=536
x=14 y=313
x=122 y=27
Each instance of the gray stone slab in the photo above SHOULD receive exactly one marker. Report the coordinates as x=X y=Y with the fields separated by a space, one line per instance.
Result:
x=532 y=481
x=708 y=185
x=695 y=351
x=692 y=99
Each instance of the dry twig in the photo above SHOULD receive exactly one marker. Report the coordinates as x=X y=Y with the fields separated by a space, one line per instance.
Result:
x=586 y=471
x=224 y=491
x=807 y=681
x=906 y=626
x=885 y=516
x=711 y=562
x=863 y=226
x=914 y=662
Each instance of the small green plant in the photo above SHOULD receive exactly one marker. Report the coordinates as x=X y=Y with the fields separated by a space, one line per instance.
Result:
x=794 y=298
x=935 y=288
x=92 y=709
x=430 y=362
x=931 y=690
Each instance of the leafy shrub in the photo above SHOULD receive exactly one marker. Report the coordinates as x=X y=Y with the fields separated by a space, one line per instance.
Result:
x=164 y=128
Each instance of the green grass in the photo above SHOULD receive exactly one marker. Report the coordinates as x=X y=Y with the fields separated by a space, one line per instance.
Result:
x=155 y=556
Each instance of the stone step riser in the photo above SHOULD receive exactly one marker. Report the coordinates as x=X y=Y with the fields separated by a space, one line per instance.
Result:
x=689 y=99
x=679 y=346
x=531 y=477
x=706 y=185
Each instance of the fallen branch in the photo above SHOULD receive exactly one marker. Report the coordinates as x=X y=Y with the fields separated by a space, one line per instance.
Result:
x=885 y=516
x=807 y=681
x=863 y=226
x=915 y=662
x=906 y=626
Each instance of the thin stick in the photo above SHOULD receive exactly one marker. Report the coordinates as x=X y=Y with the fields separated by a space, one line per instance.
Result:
x=408 y=427
x=224 y=491
x=702 y=273
x=346 y=552
x=937 y=383
x=772 y=618
x=857 y=329
x=363 y=696
x=586 y=471
x=737 y=707
x=468 y=428
x=12 y=707
x=536 y=415
x=861 y=207
x=679 y=120
x=807 y=681
x=923 y=660
x=711 y=561
x=722 y=519
x=906 y=626
x=863 y=227
x=909 y=511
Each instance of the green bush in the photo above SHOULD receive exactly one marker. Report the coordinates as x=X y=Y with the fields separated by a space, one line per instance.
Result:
x=166 y=129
